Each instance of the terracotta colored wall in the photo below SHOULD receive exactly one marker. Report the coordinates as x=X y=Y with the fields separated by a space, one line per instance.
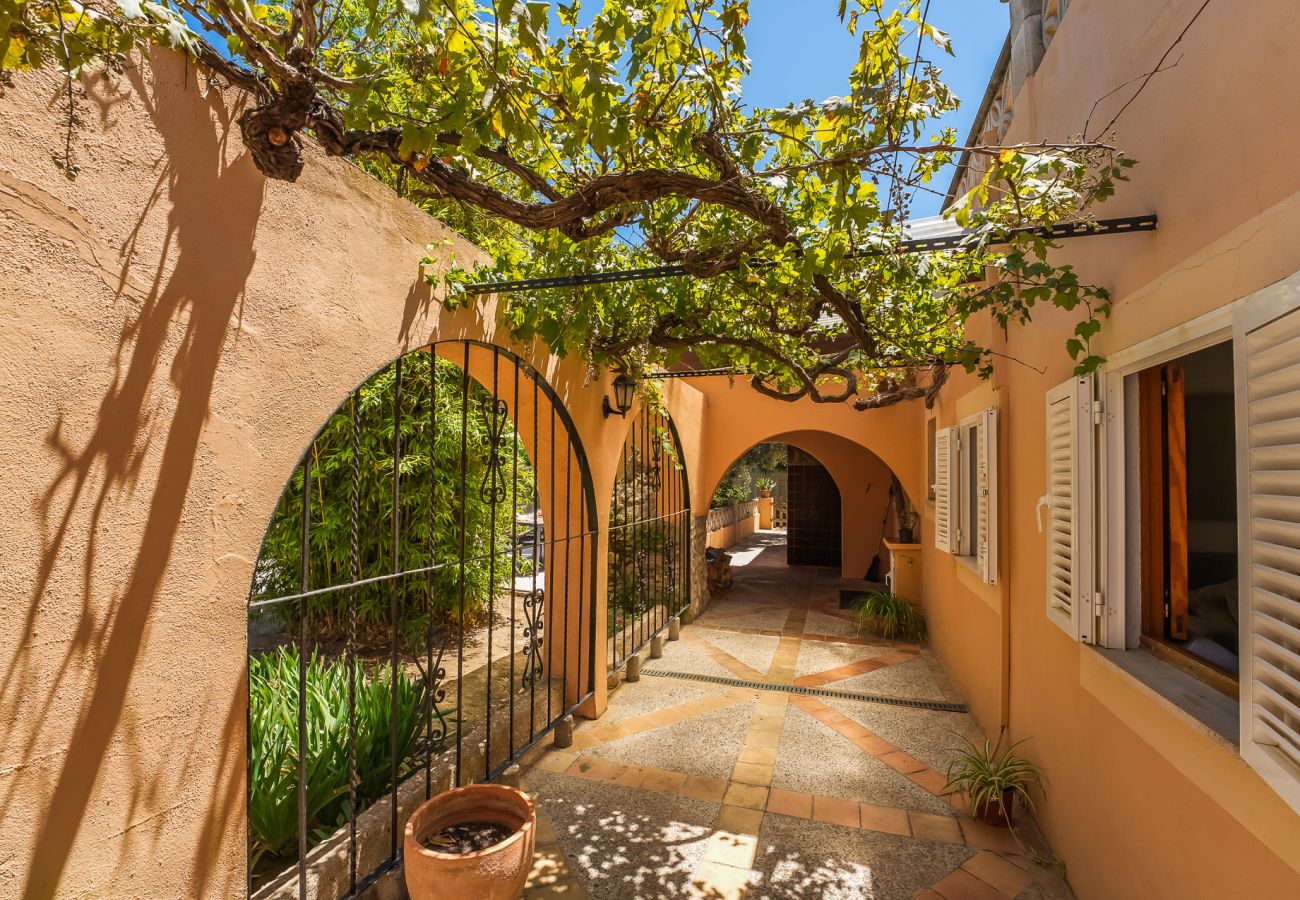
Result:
x=176 y=330
x=1140 y=803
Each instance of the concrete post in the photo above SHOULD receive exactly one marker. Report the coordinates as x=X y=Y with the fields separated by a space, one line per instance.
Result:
x=564 y=732
x=657 y=647
x=633 y=668
x=675 y=630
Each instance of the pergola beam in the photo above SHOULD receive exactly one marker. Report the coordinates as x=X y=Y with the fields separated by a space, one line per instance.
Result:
x=1122 y=225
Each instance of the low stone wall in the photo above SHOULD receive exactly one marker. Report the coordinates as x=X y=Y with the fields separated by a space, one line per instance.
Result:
x=730 y=525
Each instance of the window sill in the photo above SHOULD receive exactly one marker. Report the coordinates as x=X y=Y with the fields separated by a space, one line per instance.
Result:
x=1208 y=711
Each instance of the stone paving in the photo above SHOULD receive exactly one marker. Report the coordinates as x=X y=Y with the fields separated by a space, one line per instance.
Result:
x=694 y=789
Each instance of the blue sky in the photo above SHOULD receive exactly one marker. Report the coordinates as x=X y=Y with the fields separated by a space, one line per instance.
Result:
x=800 y=51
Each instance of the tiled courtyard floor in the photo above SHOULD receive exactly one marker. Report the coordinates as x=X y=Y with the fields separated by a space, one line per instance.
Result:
x=689 y=788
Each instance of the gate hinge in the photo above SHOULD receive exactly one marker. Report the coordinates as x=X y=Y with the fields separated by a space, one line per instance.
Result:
x=1098 y=602
x=1097 y=410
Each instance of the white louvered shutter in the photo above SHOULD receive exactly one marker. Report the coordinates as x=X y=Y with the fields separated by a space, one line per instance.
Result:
x=986 y=495
x=945 y=443
x=1267 y=347
x=1070 y=507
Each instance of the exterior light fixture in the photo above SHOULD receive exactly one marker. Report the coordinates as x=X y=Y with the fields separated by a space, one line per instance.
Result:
x=624 y=388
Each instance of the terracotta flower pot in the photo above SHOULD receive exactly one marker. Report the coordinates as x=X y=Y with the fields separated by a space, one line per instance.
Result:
x=497 y=873
x=765 y=494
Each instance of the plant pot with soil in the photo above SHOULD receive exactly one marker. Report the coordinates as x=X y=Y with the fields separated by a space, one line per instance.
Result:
x=471 y=843
x=995 y=784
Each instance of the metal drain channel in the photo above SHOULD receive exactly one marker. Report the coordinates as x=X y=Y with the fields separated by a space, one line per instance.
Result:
x=936 y=705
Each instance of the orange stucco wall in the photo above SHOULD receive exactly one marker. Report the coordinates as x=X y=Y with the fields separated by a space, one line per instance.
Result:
x=1140 y=801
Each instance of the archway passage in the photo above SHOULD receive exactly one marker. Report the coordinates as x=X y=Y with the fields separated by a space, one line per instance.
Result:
x=834 y=502
x=813 y=530
x=421 y=611
x=649 y=536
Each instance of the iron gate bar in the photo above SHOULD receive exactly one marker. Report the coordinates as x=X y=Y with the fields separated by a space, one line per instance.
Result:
x=392 y=606
x=1099 y=228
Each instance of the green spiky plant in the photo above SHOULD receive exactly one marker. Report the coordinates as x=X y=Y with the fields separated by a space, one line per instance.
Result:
x=273 y=744
x=889 y=616
x=995 y=783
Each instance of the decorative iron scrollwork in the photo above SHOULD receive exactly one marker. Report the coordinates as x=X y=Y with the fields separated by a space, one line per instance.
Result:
x=496 y=416
x=654 y=477
x=534 y=603
x=670 y=566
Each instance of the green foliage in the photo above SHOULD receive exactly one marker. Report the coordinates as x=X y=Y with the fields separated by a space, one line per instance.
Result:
x=488 y=530
x=619 y=138
x=749 y=472
x=730 y=492
x=766 y=484
x=986 y=777
x=273 y=744
x=889 y=616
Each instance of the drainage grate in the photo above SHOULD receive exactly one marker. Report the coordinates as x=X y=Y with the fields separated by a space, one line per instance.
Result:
x=936 y=705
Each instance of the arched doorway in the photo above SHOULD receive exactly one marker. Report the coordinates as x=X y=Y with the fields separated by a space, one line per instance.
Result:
x=421 y=611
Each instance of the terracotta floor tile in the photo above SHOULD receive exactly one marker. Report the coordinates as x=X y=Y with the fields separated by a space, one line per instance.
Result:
x=739 y=820
x=763 y=739
x=983 y=836
x=888 y=819
x=633 y=777
x=663 y=782
x=718 y=882
x=728 y=849
x=752 y=773
x=993 y=870
x=556 y=761
x=961 y=885
x=902 y=762
x=747 y=795
x=763 y=756
x=929 y=779
x=698 y=787
x=793 y=803
x=836 y=811
x=874 y=745
x=935 y=828
x=598 y=769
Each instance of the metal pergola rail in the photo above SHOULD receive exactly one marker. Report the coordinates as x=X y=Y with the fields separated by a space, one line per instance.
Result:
x=1097 y=228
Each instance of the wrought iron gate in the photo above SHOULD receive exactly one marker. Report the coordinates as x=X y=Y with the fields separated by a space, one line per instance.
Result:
x=428 y=578
x=649 y=537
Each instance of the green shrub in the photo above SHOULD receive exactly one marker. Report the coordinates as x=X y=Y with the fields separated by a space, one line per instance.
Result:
x=889 y=616
x=273 y=744
x=279 y=566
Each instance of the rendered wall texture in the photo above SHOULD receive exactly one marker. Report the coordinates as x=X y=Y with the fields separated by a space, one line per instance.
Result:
x=1139 y=802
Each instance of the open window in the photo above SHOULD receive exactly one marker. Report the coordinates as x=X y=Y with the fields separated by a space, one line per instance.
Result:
x=1187 y=525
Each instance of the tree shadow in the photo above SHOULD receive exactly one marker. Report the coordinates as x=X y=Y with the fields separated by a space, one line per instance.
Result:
x=146 y=438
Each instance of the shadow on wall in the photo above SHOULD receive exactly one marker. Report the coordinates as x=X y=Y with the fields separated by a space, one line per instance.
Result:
x=210 y=231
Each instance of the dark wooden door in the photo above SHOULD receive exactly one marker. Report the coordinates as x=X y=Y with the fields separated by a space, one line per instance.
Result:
x=813 y=532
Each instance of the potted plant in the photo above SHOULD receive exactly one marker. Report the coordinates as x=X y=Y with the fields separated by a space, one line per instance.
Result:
x=470 y=843
x=907 y=522
x=765 y=486
x=889 y=616
x=993 y=783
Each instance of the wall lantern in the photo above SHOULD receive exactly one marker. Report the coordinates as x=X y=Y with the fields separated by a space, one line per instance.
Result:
x=624 y=388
